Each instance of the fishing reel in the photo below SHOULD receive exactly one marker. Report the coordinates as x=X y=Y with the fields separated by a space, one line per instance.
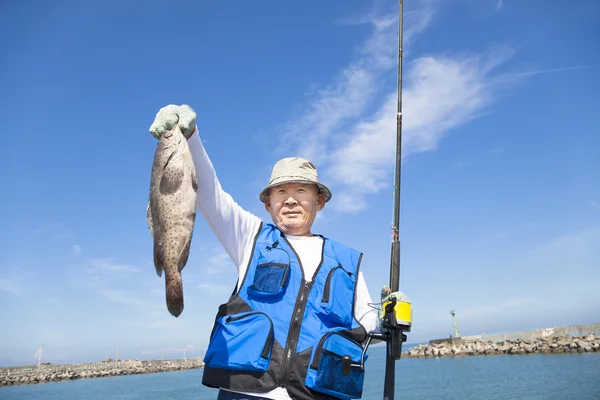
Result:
x=395 y=319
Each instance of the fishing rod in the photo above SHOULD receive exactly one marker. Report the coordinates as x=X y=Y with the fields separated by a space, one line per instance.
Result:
x=396 y=317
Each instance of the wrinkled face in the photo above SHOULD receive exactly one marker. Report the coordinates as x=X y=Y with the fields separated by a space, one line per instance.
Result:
x=294 y=206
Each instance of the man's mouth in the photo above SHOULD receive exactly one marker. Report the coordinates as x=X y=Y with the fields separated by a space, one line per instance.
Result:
x=291 y=213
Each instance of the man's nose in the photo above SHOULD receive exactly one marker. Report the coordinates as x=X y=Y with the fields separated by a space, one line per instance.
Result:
x=290 y=200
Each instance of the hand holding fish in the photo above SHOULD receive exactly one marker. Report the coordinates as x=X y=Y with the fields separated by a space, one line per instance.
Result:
x=168 y=116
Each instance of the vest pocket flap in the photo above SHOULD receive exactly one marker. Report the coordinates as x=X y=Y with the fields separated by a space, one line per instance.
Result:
x=338 y=296
x=331 y=370
x=271 y=274
x=241 y=342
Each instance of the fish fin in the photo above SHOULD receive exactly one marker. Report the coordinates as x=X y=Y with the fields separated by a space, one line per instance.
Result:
x=149 y=217
x=185 y=253
x=158 y=257
x=171 y=180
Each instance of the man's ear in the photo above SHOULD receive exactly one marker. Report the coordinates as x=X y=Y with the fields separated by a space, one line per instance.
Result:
x=320 y=201
x=268 y=204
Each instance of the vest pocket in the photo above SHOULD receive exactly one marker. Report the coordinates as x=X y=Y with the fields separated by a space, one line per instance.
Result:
x=271 y=274
x=338 y=296
x=326 y=373
x=270 y=280
x=241 y=342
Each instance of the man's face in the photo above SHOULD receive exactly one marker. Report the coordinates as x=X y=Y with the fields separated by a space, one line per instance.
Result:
x=294 y=206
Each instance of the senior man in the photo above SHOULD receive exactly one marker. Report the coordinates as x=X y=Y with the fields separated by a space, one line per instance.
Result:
x=300 y=304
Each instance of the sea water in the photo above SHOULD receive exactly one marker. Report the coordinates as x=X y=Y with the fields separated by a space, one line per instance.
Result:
x=497 y=377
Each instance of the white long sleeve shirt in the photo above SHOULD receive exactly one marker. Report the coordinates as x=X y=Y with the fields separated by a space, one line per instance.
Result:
x=236 y=228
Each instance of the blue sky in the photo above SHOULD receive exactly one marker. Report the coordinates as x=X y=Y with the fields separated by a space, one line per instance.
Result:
x=500 y=199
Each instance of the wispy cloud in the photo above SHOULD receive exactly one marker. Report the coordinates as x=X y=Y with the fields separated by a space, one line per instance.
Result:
x=499 y=5
x=110 y=266
x=541 y=71
x=441 y=94
x=11 y=285
x=54 y=230
x=124 y=298
x=215 y=288
x=162 y=322
x=594 y=203
x=496 y=308
x=219 y=262
x=350 y=93
x=14 y=281
x=349 y=128
x=113 y=281
x=587 y=238
x=77 y=249
x=502 y=307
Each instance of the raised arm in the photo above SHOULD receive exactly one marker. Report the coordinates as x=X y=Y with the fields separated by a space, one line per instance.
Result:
x=233 y=226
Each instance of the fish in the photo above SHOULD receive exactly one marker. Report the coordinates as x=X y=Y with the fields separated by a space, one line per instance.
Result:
x=171 y=212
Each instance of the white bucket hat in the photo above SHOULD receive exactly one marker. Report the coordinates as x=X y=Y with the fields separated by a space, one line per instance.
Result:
x=294 y=170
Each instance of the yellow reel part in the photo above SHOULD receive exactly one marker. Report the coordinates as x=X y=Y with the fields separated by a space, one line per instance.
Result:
x=403 y=308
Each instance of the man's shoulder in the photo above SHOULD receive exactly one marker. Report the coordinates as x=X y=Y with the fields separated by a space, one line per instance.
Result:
x=339 y=247
x=267 y=231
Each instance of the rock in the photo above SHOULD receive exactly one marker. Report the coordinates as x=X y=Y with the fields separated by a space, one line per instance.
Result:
x=590 y=338
x=529 y=348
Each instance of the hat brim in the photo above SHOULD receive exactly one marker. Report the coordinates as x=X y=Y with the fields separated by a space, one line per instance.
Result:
x=324 y=190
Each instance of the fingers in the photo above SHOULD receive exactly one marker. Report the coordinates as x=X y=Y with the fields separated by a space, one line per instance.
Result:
x=168 y=116
x=187 y=119
x=165 y=120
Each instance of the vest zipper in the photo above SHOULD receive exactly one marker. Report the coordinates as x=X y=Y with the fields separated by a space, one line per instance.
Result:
x=295 y=324
x=294 y=333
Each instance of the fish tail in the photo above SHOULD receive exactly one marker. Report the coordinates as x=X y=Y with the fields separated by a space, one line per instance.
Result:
x=174 y=290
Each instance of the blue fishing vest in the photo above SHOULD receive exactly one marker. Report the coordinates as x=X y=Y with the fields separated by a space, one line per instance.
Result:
x=281 y=330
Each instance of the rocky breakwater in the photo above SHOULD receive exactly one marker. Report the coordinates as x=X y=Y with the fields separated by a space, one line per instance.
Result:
x=63 y=372
x=549 y=345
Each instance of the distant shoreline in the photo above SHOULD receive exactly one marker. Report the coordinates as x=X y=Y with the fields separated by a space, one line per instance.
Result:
x=33 y=374
x=456 y=347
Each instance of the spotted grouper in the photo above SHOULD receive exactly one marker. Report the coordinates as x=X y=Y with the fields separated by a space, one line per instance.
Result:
x=171 y=212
